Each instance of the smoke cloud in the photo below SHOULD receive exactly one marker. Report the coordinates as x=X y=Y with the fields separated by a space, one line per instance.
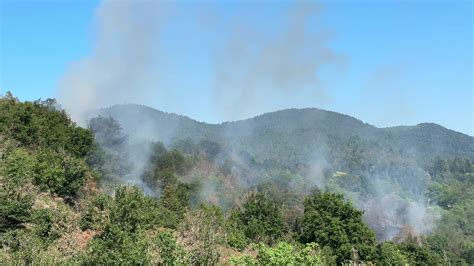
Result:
x=255 y=69
x=123 y=66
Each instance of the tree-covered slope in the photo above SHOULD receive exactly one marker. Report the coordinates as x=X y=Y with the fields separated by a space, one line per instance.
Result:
x=296 y=136
x=66 y=197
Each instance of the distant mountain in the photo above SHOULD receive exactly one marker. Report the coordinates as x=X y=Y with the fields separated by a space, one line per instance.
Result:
x=298 y=136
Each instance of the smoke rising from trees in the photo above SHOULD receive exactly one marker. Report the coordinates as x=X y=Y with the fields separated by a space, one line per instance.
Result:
x=255 y=71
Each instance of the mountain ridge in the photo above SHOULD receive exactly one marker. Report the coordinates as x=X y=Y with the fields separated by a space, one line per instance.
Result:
x=273 y=112
x=292 y=135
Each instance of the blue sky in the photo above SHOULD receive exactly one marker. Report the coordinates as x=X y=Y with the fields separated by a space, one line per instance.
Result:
x=402 y=62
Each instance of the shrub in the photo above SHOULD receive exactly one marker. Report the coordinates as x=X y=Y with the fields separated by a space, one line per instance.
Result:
x=40 y=124
x=132 y=210
x=19 y=167
x=96 y=213
x=59 y=173
x=43 y=221
x=15 y=207
x=16 y=199
x=331 y=221
x=202 y=233
x=118 y=246
x=170 y=252
x=259 y=219
x=389 y=254
x=284 y=254
x=243 y=260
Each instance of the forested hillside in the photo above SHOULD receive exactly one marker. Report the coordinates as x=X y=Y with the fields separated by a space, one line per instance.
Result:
x=289 y=137
x=385 y=172
x=291 y=187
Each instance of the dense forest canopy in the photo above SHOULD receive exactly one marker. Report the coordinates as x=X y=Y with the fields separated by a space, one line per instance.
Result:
x=291 y=187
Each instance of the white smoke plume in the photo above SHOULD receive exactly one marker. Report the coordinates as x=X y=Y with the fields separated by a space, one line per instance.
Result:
x=123 y=64
x=256 y=69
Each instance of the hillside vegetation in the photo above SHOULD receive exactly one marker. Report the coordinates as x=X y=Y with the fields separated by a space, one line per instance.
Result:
x=282 y=188
x=292 y=136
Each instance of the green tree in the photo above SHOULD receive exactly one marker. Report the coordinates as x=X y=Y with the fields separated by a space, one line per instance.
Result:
x=15 y=207
x=44 y=222
x=331 y=221
x=95 y=212
x=286 y=254
x=16 y=198
x=116 y=245
x=132 y=210
x=175 y=200
x=388 y=253
x=169 y=251
x=59 y=173
x=418 y=254
x=259 y=219
x=107 y=132
x=40 y=123
x=124 y=238
x=110 y=157
x=164 y=166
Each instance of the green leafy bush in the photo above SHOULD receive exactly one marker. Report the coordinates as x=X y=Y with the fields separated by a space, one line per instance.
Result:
x=243 y=260
x=43 y=221
x=417 y=254
x=117 y=245
x=259 y=219
x=39 y=123
x=19 y=167
x=16 y=198
x=59 y=173
x=331 y=221
x=15 y=207
x=132 y=210
x=170 y=252
x=235 y=237
x=284 y=254
x=96 y=212
x=388 y=253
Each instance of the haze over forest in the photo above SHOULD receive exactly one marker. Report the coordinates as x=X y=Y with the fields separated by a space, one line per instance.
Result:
x=104 y=168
